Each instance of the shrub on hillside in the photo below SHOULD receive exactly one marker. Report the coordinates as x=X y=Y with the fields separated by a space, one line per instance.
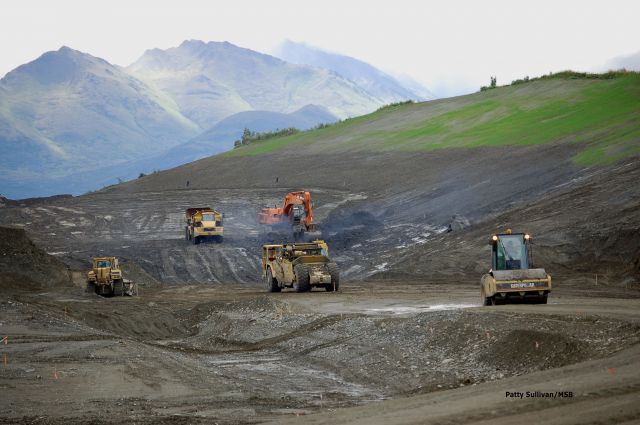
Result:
x=249 y=136
x=568 y=75
x=393 y=105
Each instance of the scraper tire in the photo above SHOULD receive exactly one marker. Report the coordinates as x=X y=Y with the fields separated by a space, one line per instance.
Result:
x=301 y=284
x=335 y=278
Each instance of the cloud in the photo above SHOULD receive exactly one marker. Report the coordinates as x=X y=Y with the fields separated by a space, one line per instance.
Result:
x=630 y=62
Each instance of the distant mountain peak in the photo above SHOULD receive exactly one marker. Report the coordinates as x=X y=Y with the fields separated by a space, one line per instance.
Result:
x=66 y=110
x=66 y=50
x=64 y=64
x=192 y=42
x=199 y=47
x=309 y=49
x=311 y=107
x=375 y=82
x=213 y=80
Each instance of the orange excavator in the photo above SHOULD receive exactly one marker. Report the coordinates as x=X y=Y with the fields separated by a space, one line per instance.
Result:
x=296 y=212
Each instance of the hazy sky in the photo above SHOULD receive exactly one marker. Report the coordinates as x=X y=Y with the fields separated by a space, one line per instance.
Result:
x=450 y=46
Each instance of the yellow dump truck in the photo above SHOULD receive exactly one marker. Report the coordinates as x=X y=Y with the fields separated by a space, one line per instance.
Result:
x=300 y=266
x=105 y=278
x=512 y=276
x=202 y=224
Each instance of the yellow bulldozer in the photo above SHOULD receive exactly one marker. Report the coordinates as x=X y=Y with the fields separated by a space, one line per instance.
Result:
x=300 y=266
x=513 y=277
x=105 y=278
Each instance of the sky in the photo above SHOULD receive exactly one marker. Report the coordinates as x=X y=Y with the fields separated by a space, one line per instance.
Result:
x=452 y=47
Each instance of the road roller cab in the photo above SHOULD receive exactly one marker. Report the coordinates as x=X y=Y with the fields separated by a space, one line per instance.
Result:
x=512 y=276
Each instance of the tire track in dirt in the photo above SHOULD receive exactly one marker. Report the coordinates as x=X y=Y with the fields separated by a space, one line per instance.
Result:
x=205 y=263
x=230 y=264
x=167 y=266
x=32 y=339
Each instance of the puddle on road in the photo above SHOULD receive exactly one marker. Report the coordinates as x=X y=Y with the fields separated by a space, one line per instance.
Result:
x=400 y=310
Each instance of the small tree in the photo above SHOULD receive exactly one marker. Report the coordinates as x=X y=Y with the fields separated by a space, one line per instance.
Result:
x=246 y=136
x=493 y=82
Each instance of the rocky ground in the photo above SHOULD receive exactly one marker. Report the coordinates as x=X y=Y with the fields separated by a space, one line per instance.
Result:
x=233 y=354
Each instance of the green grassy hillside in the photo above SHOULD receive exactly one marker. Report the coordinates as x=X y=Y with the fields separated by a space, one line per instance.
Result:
x=603 y=115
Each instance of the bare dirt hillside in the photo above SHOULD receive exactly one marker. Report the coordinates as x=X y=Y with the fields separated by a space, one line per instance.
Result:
x=23 y=264
x=386 y=223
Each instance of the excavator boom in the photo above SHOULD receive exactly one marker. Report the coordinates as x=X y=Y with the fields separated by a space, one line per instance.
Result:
x=296 y=211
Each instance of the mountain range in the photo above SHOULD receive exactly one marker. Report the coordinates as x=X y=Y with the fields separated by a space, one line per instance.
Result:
x=382 y=86
x=221 y=137
x=71 y=122
x=68 y=109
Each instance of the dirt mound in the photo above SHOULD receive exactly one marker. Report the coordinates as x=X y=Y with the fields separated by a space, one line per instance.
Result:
x=24 y=265
x=348 y=226
x=6 y=201
x=522 y=350
x=134 y=272
x=132 y=318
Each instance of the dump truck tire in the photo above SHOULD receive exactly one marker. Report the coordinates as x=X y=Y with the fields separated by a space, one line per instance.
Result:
x=485 y=300
x=91 y=288
x=105 y=290
x=271 y=283
x=118 y=288
x=219 y=239
x=301 y=284
x=334 y=286
x=186 y=233
x=196 y=240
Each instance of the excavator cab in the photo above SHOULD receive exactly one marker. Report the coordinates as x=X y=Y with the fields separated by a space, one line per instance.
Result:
x=298 y=214
x=510 y=251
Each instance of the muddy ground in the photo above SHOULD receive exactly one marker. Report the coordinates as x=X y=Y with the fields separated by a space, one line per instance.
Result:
x=147 y=231
x=233 y=354
x=405 y=341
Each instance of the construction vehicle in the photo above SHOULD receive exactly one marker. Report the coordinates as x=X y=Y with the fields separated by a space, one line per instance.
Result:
x=203 y=223
x=105 y=278
x=512 y=276
x=296 y=213
x=300 y=266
